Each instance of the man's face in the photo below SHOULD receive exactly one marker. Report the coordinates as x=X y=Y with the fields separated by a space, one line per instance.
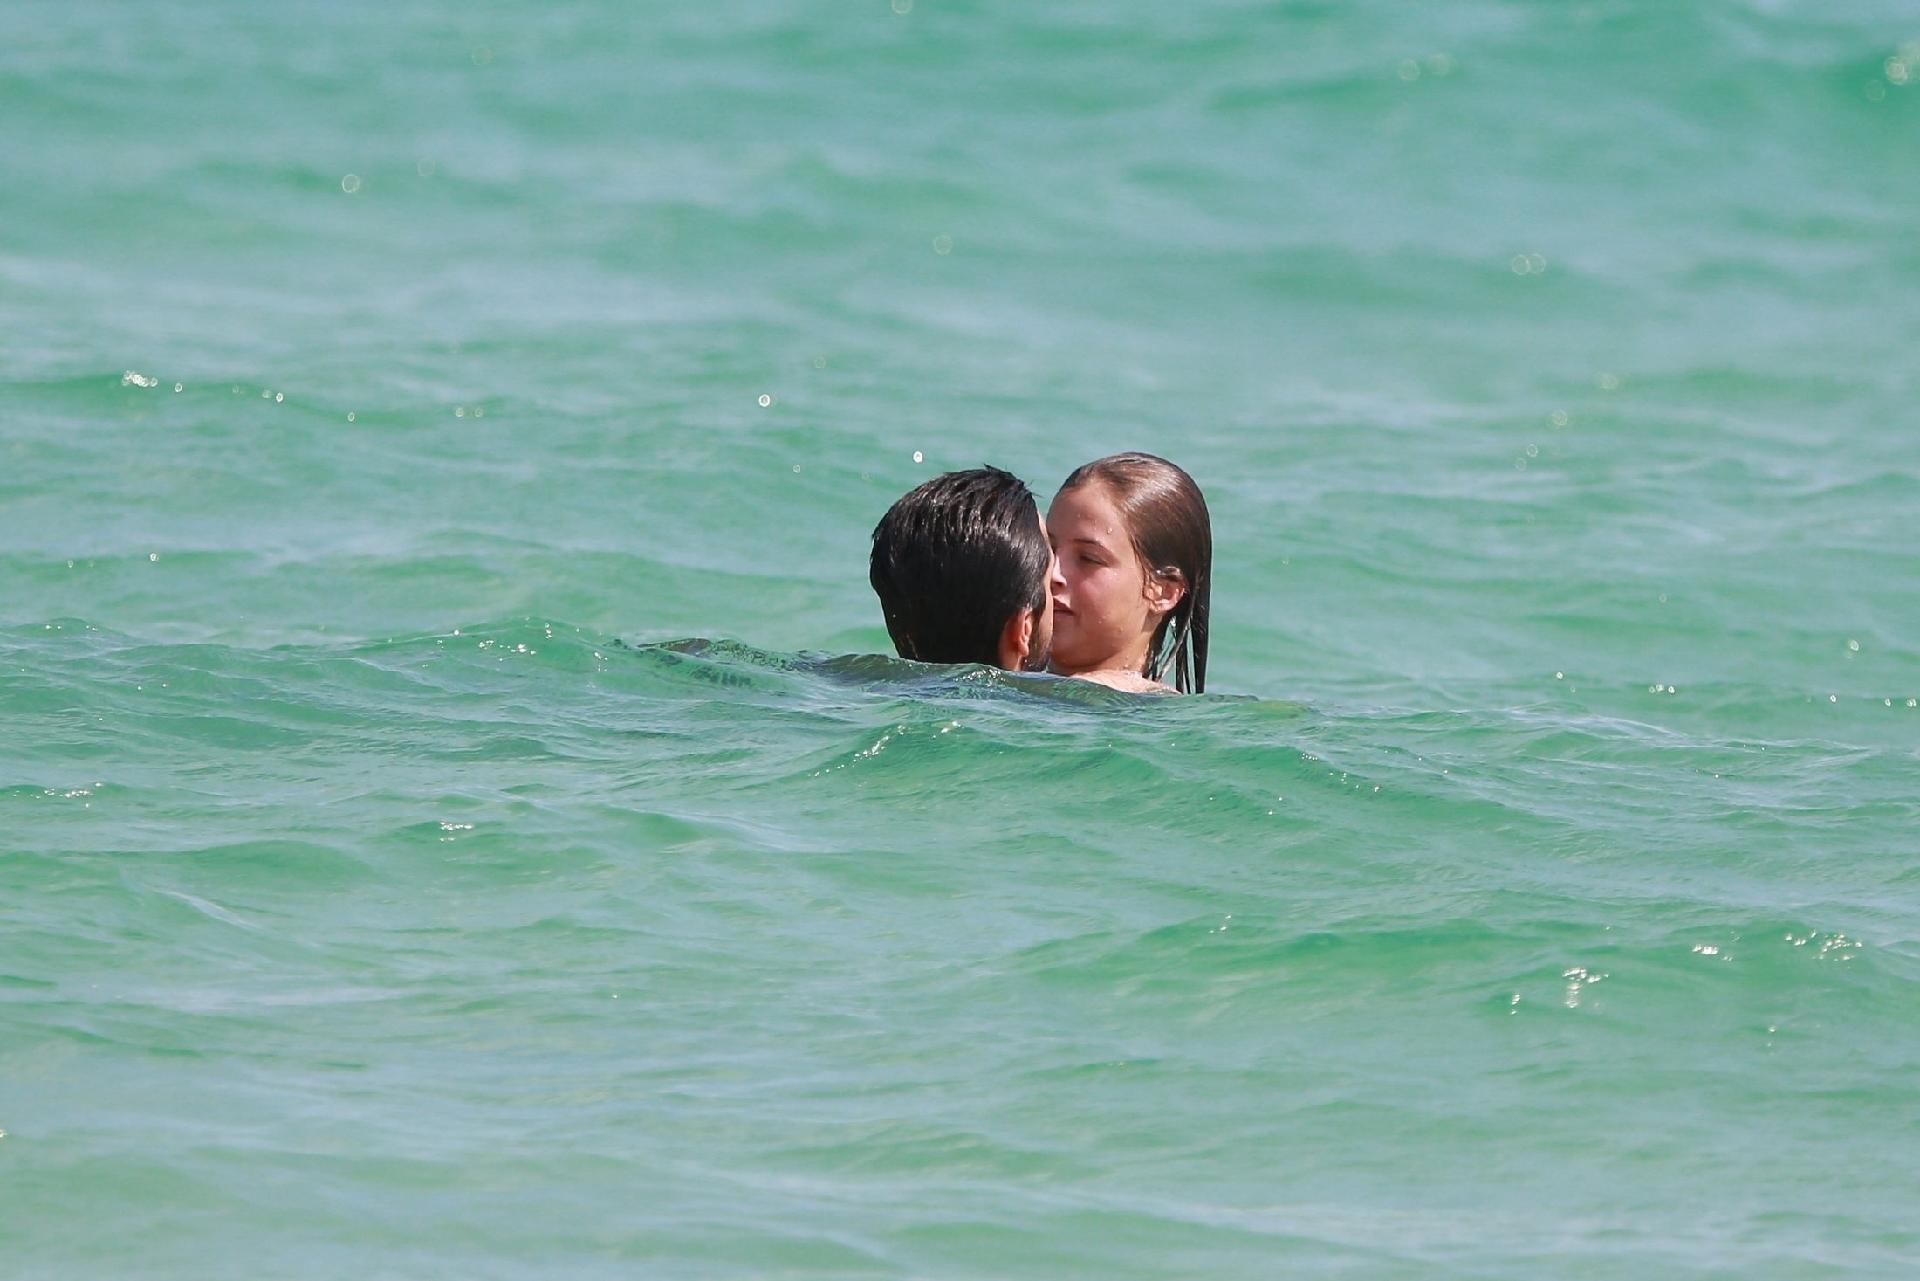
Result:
x=1041 y=649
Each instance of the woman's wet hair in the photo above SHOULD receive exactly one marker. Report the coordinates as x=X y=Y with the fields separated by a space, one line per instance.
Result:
x=954 y=559
x=1166 y=518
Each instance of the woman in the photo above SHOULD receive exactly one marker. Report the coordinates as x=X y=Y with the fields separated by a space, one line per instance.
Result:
x=1136 y=558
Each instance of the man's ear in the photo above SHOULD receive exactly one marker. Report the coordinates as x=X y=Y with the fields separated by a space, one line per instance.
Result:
x=1016 y=639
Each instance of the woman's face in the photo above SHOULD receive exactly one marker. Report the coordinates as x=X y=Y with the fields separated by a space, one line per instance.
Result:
x=1102 y=615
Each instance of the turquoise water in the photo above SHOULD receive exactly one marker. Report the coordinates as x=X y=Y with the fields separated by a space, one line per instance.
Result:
x=454 y=820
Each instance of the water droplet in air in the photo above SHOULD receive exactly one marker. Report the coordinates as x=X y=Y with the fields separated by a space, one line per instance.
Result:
x=349 y=415
x=917 y=457
x=350 y=183
x=152 y=557
x=765 y=400
x=943 y=244
x=1558 y=418
x=179 y=387
x=1409 y=70
x=1853 y=646
x=279 y=397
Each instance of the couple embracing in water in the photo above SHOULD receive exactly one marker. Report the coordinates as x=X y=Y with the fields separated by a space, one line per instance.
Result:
x=1111 y=587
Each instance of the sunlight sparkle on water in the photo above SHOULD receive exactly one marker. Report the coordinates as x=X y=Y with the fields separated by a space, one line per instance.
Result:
x=1579 y=977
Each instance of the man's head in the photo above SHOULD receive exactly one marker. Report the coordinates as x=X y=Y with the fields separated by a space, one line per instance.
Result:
x=962 y=567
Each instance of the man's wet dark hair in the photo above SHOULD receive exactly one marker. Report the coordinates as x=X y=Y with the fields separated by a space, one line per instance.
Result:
x=954 y=559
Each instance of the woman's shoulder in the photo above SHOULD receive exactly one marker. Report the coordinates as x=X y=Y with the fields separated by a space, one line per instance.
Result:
x=1130 y=682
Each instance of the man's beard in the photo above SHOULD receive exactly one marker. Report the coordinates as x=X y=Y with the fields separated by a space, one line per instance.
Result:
x=1037 y=660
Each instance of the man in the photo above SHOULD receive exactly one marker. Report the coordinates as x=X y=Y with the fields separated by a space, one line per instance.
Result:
x=964 y=572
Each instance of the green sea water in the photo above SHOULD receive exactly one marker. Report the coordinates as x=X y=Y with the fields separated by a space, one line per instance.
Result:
x=456 y=819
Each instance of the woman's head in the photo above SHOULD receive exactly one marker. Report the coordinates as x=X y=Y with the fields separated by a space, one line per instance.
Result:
x=1136 y=556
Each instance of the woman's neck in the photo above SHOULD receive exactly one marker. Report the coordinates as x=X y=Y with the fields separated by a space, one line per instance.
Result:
x=1131 y=661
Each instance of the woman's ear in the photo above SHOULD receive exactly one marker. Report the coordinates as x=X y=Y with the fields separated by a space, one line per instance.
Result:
x=1166 y=588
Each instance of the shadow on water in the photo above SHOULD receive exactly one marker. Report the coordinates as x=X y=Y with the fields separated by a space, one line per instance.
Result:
x=733 y=662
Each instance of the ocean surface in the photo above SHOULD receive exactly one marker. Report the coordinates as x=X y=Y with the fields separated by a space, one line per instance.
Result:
x=457 y=814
